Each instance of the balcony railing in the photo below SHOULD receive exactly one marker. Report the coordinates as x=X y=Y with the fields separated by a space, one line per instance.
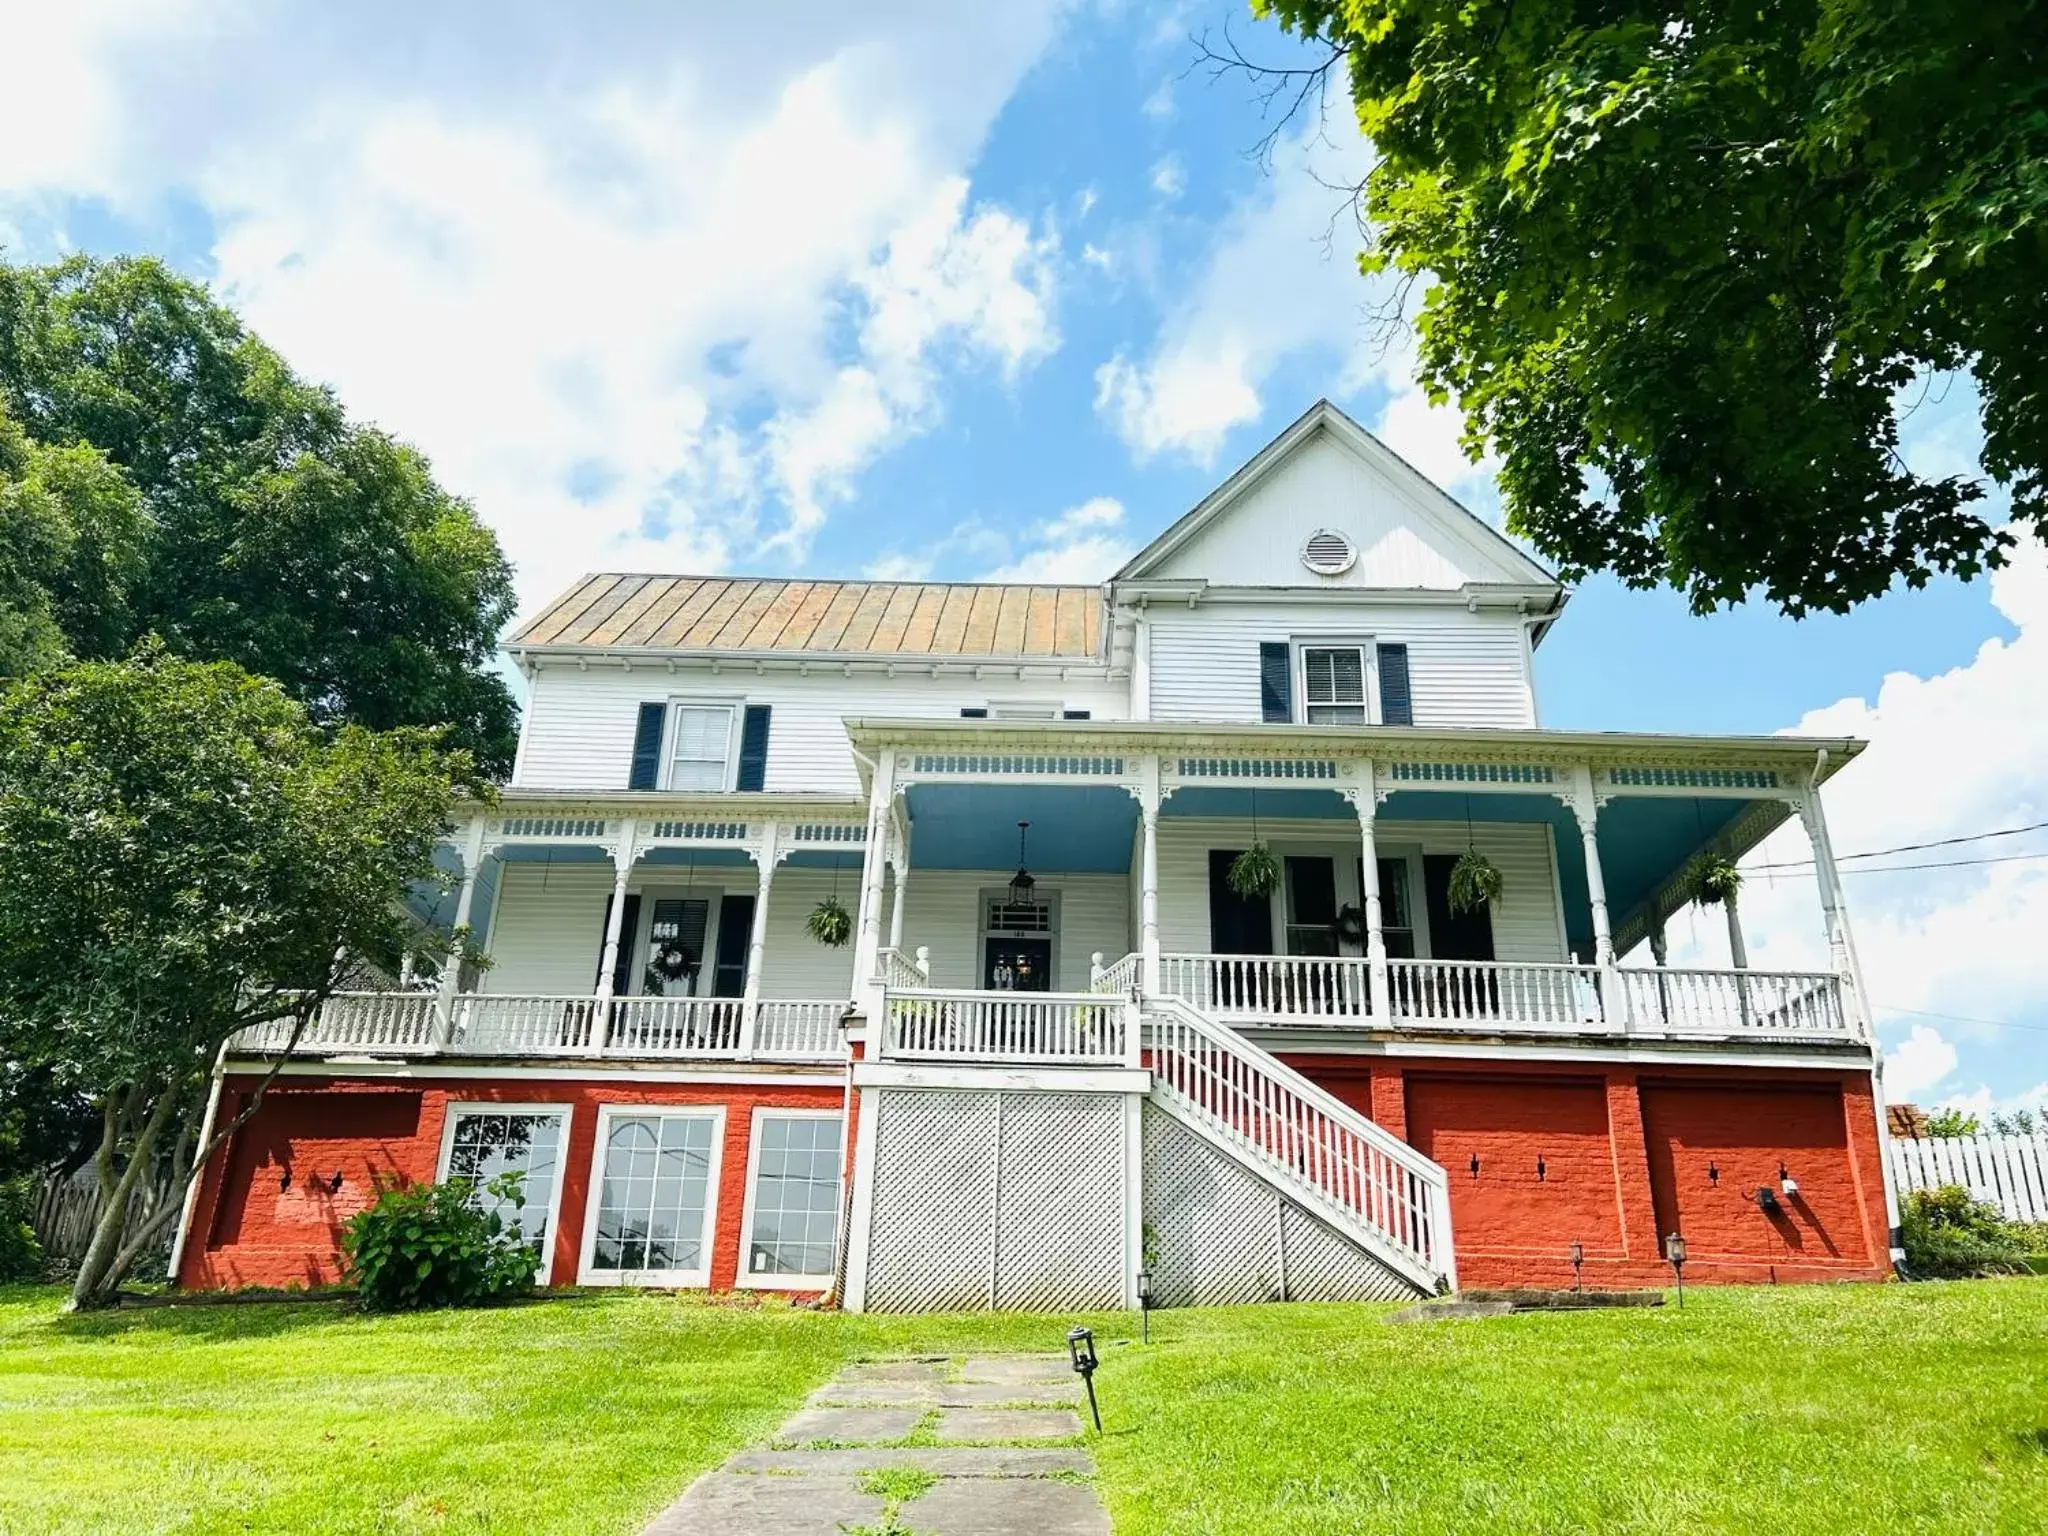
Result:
x=1495 y=996
x=1045 y=1028
x=537 y=1024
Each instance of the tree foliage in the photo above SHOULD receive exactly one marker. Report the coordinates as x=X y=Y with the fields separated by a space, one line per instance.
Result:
x=194 y=488
x=1681 y=260
x=183 y=854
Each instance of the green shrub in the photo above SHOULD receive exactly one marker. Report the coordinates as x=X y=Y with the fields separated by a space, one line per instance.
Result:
x=2031 y=1235
x=21 y=1256
x=428 y=1245
x=1949 y=1235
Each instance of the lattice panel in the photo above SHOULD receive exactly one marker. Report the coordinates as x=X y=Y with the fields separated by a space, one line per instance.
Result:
x=1321 y=1266
x=1219 y=1233
x=934 y=1201
x=1257 y=768
x=1060 y=1211
x=1212 y=1223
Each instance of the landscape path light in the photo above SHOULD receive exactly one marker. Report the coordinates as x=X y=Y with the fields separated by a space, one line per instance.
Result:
x=1081 y=1349
x=1674 y=1255
x=1145 y=1302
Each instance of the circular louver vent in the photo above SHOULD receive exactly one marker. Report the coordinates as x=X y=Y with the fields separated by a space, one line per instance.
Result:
x=1328 y=553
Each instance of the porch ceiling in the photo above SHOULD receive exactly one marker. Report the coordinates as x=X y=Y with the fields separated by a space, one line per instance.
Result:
x=1077 y=828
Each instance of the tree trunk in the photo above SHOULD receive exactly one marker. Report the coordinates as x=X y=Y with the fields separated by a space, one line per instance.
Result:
x=98 y=1271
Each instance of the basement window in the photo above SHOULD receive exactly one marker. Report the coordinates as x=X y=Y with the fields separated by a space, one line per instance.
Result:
x=792 y=1215
x=485 y=1140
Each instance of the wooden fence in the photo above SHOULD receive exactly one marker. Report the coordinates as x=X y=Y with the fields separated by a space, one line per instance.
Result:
x=2011 y=1172
x=68 y=1207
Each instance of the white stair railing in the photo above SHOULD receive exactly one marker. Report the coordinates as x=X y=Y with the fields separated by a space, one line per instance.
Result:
x=1364 y=1180
x=1118 y=977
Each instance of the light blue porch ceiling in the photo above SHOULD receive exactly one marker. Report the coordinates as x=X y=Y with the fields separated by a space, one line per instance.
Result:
x=1075 y=828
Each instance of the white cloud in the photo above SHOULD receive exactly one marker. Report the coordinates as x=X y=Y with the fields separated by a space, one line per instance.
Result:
x=1169 y=177
x=1095 y=256
x=1280 y=279
x=1919 y=1063
x=1159 y=105
x=705 y=267
x=1083 y=544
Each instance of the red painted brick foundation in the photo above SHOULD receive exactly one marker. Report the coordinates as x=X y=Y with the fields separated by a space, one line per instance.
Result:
x=247 y=1230
x=1629 y=1154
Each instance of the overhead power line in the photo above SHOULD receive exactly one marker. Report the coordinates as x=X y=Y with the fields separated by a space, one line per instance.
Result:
x=1960 y=1018
x=1941 y=842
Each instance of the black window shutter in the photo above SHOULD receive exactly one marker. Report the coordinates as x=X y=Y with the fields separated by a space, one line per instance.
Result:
x=735 y=936
x=754 y=748
x=970 y=713
x=1276 y=680
x=646 y=771
x=1397 y=702
x=1074 y=714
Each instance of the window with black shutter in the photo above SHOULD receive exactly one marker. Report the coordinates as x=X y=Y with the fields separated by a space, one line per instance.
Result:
x=754 y=748
x=645 y=772
x=1276 y=680
x=1397 y=701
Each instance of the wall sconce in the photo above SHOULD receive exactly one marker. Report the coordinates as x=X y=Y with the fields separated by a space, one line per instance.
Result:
x=1475 y=1165
x=1540 y=1171
x=1578 y=1258
x=1714 y=1175
x=1766 y=1201
x=1787 y=1184
x=284 y=1182
x=334 y=1184
x=1674 y=1255
x=1081 y=1350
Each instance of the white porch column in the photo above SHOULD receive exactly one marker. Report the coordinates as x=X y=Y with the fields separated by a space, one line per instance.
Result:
x=1364 y=799
x=899 y=883
x=867 y=980
x=624 y=852
x=765 y=859
x=1148 y=876
x=451 y=968
x=1586 y=810
x=1842 y=957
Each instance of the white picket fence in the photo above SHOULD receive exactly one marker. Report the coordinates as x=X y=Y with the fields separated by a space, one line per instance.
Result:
x=2010 y=1172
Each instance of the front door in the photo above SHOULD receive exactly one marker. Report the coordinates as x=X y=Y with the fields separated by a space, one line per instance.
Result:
x=1017 y=965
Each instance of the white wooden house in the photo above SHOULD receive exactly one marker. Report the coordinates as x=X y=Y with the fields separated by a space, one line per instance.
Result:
x=1058 y=1047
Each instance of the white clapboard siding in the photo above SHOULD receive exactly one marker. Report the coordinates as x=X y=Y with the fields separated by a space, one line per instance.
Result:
x=1406 y=534
x=1525 y=919
x=2010 y=1172
x=943 y=913
x=579 y=726
x=1464 y=669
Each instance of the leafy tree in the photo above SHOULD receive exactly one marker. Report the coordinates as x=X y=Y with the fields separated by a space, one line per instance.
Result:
x=185 y=854
x=1952 y=1122
x=2019 y=1123
x=275 y=533
x=1681 y=259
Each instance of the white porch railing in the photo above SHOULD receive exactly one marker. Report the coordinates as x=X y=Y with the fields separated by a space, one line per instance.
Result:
x=1048 y=1028
x=1735 y=1002
x=1270 y=987
x=1493 y=992
x=1367 y=1178
x=898 y=969
x=546 y=1024
x=389 y=1023
x=1118 y=977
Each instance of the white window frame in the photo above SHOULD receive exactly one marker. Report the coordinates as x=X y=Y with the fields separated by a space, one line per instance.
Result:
x=664 y=1279
x=457 y=1108
x=1369 y=671
x=736 y=713
x=746 y=1279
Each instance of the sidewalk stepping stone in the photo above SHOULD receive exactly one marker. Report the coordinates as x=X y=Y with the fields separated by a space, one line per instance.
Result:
x=795 y=1486
x=849 y=1426
x=1008 y=1424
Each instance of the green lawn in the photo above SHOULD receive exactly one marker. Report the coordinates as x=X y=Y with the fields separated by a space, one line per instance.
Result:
x=1845 y=1409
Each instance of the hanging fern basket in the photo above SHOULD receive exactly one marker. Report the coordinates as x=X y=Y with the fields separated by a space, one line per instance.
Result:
x=1255 y=872
x=1475 y=883
x=830 y=923
x=1711 y=880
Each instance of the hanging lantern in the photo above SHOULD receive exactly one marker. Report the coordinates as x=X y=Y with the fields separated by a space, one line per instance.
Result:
x=1021 y=883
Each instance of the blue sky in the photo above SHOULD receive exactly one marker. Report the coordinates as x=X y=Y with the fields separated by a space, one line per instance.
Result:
x=921 y=289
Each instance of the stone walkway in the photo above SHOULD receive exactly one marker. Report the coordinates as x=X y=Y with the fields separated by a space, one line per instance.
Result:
x=935 y=1447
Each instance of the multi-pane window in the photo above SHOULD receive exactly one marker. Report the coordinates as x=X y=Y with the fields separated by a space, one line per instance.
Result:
x=795 y=1202
x=700 y=746
x=484 y=1143
x=1333 y=684
x=654 y=1201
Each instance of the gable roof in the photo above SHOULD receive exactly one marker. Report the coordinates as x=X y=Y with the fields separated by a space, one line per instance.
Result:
x=1486 y=542
x=619 y=610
